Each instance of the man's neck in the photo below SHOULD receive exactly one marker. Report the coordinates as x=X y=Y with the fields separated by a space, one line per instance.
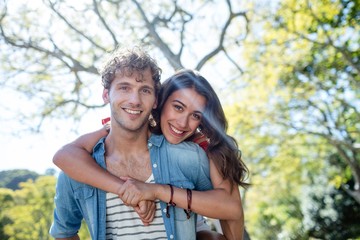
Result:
x=127 y=154
x=125 y=142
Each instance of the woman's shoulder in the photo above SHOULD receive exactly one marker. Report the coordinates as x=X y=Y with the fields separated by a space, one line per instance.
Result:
x=160 y=140
x=187 y=146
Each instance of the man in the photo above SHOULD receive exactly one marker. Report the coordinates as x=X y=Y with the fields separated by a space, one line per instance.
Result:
x=131 y=81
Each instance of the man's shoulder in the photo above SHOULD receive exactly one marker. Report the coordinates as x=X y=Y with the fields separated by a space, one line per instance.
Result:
x=69 y=187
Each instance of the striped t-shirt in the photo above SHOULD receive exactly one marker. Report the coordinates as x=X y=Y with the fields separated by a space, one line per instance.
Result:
x=122 y=222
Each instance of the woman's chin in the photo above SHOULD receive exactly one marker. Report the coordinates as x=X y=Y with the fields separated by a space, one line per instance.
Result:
x=173 y=140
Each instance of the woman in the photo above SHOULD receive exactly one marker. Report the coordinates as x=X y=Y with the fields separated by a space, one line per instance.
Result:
x=186 y=104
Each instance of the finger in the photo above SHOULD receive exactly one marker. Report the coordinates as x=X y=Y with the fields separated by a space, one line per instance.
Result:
x=151 y=213
x=144 y=221
x=125 y=178
x=148 y=209
x=122 y=190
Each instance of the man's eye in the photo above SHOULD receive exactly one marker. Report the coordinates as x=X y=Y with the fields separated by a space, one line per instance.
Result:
x=147 y=91
x=123 y=88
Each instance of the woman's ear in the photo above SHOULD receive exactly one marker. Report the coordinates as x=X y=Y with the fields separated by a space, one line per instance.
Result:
x=105 y=95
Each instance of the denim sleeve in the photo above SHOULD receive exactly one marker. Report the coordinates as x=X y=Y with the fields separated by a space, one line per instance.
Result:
x=203 y=182
x=67 y=215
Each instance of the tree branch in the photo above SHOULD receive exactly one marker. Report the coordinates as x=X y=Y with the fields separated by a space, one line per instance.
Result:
x=220 y=45
x=173 y=59
x=96 y=10
x=52 y=7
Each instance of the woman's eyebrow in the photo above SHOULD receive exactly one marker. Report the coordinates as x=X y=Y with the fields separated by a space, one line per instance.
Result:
x=184 y=105
x=179 y=102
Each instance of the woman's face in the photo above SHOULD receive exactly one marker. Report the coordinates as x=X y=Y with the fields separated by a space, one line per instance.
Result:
x=181 y=114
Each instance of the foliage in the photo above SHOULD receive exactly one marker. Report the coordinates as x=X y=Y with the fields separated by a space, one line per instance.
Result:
x=12 y=178
x=33 y=206
x=7 y=201
x=323 y=80
x=27 y=213
x=329 y=213
x=299 y=105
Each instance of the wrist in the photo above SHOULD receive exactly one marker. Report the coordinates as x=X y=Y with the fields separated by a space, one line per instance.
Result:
x=161 y=192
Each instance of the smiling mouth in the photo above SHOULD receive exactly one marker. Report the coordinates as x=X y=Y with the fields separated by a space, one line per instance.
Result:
x=134 y=112
x=176 y=130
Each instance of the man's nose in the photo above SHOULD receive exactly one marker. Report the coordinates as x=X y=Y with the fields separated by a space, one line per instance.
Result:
x=134 y=98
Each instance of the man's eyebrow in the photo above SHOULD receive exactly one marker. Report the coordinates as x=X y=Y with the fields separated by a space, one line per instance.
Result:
x=122 y=84
x=149 y=87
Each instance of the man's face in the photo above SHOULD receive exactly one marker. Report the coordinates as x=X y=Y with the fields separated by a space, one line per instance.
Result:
x=131 y=100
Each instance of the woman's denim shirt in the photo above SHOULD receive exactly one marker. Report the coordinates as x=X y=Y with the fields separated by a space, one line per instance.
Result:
x=183 y=165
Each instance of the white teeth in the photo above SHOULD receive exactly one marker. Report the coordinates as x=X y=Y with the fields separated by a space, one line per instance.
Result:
x=132 y=111
x=175 y=130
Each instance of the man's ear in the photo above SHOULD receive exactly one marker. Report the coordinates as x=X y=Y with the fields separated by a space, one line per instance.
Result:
x=155 y=104
x=105 y=95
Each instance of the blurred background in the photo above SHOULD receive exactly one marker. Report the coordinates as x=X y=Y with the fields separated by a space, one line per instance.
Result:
x=287 y=73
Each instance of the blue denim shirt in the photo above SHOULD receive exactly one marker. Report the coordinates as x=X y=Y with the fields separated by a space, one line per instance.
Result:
x=183 y=165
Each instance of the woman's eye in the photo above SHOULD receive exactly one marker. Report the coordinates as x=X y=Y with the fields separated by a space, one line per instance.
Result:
x=178 y=108
x=196 y=116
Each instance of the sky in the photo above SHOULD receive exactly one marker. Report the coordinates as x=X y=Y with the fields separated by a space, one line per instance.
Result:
x=34 y=151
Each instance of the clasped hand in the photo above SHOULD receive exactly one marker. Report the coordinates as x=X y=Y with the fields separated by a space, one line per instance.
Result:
x=140 y=196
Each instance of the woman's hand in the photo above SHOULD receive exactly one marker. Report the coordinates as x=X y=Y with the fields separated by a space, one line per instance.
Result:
x=133 y=191
x=139 y=195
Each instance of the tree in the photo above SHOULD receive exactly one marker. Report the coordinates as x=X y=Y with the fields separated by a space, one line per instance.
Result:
x=31 y=214
x=303 y=65
x=7 y=201
x=329 y=213
x=54 y=61
x=12 y=178
x=324 y=82
x=27 y=212
x=316 y=69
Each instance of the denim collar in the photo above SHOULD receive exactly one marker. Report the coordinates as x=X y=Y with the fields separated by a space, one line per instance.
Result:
x=154 y=139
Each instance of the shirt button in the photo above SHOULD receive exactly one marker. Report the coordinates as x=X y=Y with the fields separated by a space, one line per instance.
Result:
x=164 y=210
x=155 y=165
x=149 y=144
x=171 y=236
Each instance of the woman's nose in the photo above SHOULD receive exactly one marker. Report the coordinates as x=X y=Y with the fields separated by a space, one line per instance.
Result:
x=182 y=121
